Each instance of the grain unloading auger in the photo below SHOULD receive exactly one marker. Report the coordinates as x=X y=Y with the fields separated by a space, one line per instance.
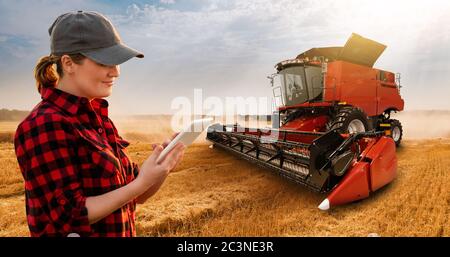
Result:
x=332 y=132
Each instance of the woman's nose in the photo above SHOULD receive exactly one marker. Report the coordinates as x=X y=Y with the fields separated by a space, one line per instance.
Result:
x=114 y=71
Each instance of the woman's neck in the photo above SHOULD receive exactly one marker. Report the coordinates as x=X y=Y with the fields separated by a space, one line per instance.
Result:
x=68 y=87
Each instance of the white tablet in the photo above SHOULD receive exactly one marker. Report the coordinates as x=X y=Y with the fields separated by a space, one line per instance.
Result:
x=187 y=136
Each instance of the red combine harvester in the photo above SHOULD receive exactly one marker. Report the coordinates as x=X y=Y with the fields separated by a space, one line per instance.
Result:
x=332 y=131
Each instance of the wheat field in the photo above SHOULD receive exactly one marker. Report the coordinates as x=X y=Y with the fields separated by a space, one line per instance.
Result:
x=211 y=193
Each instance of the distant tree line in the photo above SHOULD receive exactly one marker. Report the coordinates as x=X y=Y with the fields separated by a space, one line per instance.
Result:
x=12 y=115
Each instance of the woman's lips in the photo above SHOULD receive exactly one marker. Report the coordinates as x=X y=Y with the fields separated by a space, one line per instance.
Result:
x=108 y=83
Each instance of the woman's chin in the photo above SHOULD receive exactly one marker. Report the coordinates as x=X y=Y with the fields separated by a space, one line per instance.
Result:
x=105 y=92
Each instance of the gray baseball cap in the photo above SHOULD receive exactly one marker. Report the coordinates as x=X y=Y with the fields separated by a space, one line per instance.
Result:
x=90 y=34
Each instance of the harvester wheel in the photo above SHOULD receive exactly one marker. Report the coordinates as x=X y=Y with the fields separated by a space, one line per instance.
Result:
x=349 y=120
x=396 y=131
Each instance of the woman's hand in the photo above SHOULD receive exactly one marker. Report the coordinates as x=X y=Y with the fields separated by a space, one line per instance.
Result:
x=150 y=178
x=151 y=172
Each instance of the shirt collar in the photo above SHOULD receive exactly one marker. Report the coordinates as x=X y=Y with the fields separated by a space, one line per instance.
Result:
x=72 y=103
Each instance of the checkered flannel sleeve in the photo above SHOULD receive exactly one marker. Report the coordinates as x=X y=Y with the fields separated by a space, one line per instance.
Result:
x=44 y=149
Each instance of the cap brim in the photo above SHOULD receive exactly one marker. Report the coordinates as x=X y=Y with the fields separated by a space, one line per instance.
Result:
x=113 y=55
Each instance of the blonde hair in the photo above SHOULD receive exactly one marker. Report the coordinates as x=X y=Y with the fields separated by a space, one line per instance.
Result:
x=45 y=73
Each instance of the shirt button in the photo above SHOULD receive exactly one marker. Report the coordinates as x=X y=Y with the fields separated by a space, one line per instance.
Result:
x=83 y=101
x=62 y=201
x=100 y=130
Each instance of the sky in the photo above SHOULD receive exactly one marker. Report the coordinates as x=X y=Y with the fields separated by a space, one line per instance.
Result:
x=228 y=48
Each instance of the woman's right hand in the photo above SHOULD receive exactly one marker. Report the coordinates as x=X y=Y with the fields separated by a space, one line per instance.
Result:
x=152 y=173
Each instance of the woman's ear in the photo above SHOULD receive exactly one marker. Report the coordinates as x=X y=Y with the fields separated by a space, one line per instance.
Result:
x=68 y=66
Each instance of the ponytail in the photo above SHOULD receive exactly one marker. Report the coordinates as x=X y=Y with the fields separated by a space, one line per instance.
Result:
x=45 y=73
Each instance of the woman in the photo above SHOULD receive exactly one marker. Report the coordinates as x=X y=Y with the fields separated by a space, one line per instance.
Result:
x=78 y=177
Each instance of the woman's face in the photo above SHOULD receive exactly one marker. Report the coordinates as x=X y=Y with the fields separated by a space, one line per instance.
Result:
x=94 y=80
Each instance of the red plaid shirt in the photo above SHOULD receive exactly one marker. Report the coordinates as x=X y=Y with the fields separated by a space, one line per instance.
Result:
x=68 y=149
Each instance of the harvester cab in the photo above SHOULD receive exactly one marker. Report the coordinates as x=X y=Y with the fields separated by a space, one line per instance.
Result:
x=337 y=88
x=332 y=130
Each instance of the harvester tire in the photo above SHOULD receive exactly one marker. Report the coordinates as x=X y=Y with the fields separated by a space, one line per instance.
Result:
x=396 y=131
x=347 y=117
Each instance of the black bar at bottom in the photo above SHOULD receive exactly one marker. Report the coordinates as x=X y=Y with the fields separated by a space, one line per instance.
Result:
x=224 y=246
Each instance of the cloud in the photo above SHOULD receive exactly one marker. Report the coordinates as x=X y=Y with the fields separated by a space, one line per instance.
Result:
x=167 y=1
x=236 y=30
x=15 y=47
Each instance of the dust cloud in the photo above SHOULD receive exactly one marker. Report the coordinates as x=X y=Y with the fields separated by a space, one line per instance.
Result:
x=424 y=124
